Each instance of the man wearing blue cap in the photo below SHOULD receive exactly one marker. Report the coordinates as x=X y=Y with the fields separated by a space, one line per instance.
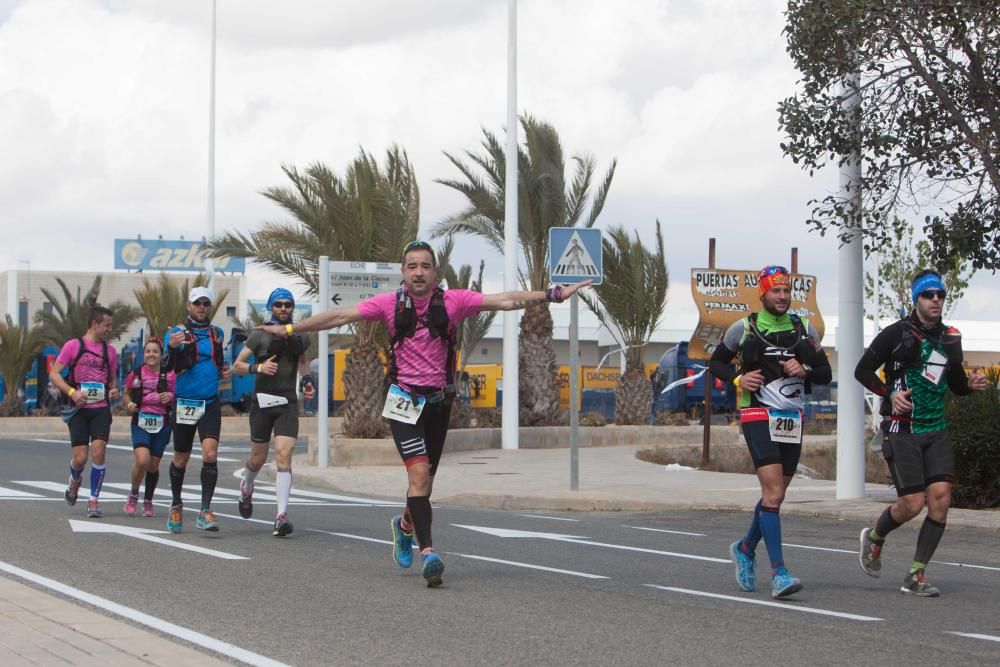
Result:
x=922 y=359
x=274 y=408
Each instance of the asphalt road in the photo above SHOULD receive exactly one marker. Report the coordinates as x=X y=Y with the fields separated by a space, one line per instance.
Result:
x=520 y=588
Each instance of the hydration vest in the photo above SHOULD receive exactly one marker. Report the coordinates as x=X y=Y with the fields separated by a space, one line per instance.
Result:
x=435 y=320
x=184 y=359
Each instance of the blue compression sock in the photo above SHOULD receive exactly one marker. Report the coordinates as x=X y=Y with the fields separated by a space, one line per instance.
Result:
x=752 y=539
x=96 y=479
x=770 y=525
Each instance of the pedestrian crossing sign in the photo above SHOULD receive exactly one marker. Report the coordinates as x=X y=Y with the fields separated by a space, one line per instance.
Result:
x=575 y=255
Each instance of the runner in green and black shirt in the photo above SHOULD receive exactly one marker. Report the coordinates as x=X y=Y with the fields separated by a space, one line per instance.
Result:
x=922 y=359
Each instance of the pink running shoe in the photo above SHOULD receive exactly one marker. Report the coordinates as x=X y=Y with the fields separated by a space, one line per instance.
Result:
x=147 y=508
x=130 y=504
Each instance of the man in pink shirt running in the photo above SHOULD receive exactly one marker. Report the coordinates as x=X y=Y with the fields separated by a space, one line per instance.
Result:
x=91 y=382
x=422 y=320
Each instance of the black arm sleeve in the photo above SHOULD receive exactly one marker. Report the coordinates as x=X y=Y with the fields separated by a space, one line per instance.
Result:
x=879 y=352
x=720 y=365
x=958 y=381
x=821 y=373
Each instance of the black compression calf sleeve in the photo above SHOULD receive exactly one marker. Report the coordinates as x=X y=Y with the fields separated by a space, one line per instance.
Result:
x=928 y=539
x=209 y=476
x=176 y=483
x=152 y=479
x=420 y=511
x=886 y=524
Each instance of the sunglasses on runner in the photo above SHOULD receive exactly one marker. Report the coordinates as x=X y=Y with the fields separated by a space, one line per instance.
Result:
x=931 y=294
x=204 y=303
x=282 y=304
x=771 y=270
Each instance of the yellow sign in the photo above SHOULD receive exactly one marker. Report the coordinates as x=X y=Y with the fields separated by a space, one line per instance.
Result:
x=605 y=378
x=339 y=362
x=724 y=296
x=563 y=379
x=483 y=384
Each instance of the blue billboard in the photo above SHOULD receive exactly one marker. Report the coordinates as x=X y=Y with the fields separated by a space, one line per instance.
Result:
x=159 y=255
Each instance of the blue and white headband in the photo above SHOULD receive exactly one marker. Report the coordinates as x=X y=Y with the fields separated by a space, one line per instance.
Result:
x=929 y=281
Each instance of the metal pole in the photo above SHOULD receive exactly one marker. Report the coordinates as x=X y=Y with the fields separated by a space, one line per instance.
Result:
x=511 y=399
x=850 y=338
x=209 y=262
x=323 y=396
x=574 y=394
x=706 y=433
x=794 y=268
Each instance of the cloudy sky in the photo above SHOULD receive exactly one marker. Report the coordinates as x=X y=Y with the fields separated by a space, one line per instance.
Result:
x=105 y=109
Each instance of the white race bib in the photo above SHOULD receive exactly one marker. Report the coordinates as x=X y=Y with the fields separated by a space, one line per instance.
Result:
x=402 y=406
x=270 y=400
x=150 y=423
x=92 y=391
x=189 y=411
x=934 y=367
x=785 y=425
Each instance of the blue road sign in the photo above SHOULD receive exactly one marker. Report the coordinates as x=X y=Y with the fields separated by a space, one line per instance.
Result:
x=575 y=255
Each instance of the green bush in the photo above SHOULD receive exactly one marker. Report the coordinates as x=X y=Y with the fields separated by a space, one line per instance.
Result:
x=975 y=433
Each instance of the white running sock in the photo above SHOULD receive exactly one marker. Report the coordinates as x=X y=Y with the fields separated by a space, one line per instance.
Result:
x=248 y=477
x=284 y=489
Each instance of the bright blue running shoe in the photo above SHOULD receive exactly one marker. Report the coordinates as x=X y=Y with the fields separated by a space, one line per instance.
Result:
x=402 y=543
x=433 y=569
x=746 y=567
x=784 y=584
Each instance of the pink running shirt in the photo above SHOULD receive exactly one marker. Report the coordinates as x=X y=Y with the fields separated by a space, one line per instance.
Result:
x=91 y=367
x=150 y=401
x=421 y=359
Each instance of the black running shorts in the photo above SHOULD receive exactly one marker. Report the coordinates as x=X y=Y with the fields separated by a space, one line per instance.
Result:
x=89 y=424
x=423 y=442
x=208 y=426
x=919 y=459
x=282 y=420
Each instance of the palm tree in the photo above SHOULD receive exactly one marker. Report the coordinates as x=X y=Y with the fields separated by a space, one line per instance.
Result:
x=164 y=302
x=630 y=307
x=69 y=320
x=545 y=200
x=18 y=348
x=369 y=214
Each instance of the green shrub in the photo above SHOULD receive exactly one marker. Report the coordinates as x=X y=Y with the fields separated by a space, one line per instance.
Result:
x=974 y=421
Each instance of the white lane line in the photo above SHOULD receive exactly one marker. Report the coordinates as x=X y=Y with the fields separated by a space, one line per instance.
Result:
x=352 y=537
x=550 y=518
x=127 y=448
x=60 y=487
x=854 y=552
x=556 y=570
x=661 y=530
x=136 y=616
x=777 y=605
x=8 y=494
x=149 y=535
x=973 y=635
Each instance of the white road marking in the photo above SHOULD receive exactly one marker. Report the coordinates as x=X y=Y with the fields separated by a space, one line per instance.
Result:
x=352 y=537
x=148 y=535
x=8 y=494
x=777 y=605
x=973 y=635
x=661 y=530
x=575 y=539
x=128 y=448
x=806 y=546
x=60 y=487
x=543 y=568
x=550 y=518
x=136 y=616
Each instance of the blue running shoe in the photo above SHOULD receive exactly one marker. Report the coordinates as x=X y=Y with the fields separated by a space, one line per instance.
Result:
x=175 y=521
x=402 y=543
x=207 y=521
x=784 y=584
x=433 y=569
x=746 y=567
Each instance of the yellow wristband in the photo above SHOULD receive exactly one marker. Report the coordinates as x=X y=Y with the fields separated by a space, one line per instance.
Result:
x=71 y=392
x=288 y=329
x=736 y=380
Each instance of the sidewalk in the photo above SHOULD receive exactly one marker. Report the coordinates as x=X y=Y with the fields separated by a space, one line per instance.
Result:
x=37 y=628
x=610 y=479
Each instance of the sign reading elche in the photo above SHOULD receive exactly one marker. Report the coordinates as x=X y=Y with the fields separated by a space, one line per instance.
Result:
x=724 y=296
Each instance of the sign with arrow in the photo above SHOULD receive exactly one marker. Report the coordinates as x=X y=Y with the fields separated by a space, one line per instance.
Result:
x=148 y=535
x=353 y=282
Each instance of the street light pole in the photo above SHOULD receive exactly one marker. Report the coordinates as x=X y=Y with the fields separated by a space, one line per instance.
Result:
x=209 y=262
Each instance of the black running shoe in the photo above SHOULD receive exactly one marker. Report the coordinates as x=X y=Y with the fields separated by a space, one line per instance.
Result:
x=246 y=501
x=282 y=526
